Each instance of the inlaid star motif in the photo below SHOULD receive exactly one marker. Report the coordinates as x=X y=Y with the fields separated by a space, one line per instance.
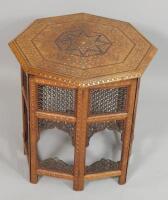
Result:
x=80 y=44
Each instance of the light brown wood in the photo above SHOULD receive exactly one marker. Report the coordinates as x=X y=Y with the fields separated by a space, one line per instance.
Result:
x=56 y=82
x=33 y=131
x=135 y=107
x=134 y=112
x=44 y=172
x=102 y=175
x=25 y=98
x=74 y=55
x=55 y=116
x=106 y=48
x=80 y=139
x=24 y=104
x=127 y=133
x=99 y=118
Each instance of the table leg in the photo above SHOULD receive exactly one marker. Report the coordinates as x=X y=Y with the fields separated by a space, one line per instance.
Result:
x=80 y=139
x=33 y=131
x=134 y=113
x=128 y=132
x=23 y=114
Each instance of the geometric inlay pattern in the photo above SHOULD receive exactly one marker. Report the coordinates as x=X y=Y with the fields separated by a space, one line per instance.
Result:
x=54 y=99
x=108 y=100
x=83 y=50
x=79 y=43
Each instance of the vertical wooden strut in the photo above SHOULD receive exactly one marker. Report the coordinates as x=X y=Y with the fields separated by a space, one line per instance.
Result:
x=33 y=131
x=134 y=112
x=23 y=114
x=128 y=132
x=80 y=139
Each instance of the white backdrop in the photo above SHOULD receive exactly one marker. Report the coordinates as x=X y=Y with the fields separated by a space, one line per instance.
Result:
x=148 y=169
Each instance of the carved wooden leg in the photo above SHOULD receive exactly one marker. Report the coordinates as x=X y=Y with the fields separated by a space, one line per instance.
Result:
x=80 y=139
x=33 y=131
x=134 y=113
x=128 y=133
x=23 y=114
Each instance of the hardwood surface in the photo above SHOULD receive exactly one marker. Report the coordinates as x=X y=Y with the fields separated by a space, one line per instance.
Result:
x=80 y=48
x=87 y=55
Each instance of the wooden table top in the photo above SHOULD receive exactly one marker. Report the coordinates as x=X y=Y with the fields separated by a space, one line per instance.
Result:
x=83 y=49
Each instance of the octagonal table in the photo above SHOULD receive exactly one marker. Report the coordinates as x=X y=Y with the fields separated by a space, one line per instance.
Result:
x=80 y=73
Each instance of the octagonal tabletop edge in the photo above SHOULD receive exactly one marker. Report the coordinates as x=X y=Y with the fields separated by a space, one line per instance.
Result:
x=83 y=49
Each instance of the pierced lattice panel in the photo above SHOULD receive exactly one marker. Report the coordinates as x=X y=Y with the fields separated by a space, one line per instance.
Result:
x=116 y=126
x=54 y=99
x=55 y=164
x=67 y=127
x=105 y=164
x=102 y=165
x=104 y=101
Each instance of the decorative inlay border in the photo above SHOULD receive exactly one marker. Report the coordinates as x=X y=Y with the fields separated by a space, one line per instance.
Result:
x=129 y=74
x=99 y=66
x=129 y=39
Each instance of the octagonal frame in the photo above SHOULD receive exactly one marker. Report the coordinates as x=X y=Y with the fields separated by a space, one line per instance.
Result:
x=83 y=77
x=81 y=119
